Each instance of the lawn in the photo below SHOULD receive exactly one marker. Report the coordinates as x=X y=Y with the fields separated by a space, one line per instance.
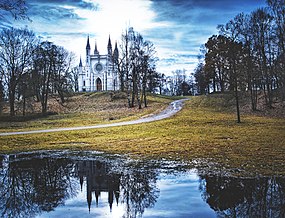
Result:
x=203 y=134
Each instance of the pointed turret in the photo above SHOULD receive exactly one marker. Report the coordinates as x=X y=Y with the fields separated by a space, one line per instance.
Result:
x=88 y=44
x=96 y=52
x=88 y=52
x=109 y=46
x=116 y=53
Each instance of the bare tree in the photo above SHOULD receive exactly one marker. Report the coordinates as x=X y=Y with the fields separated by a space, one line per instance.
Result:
x=62 y=76
x=44 y=68
x=16 y=51
x=277 y=9
x=135 y=67
x=263 y=47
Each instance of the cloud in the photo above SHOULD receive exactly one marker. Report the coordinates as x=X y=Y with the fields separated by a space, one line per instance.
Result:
x=189 y=24
x=88 y=5
x=176 y=27
x=52 y=13
x=53 y=10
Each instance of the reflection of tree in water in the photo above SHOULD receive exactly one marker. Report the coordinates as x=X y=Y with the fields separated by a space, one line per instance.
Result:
x=237 y=197
x=31 y=186
x=135 y=188
x=139 y=191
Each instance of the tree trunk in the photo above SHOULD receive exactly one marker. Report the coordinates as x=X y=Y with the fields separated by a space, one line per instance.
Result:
x=236 y=93
x=24 y=106
x=144 y=97
x=237 y=105
x=12 y=103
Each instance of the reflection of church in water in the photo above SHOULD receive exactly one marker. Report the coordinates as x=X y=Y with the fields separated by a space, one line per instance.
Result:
x=99 y=72
x=98 y=180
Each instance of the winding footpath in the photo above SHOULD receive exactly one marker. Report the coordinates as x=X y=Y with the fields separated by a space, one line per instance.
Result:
x=172 y=109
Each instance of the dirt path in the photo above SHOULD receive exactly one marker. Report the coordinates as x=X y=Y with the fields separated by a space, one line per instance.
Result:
x=172 y=109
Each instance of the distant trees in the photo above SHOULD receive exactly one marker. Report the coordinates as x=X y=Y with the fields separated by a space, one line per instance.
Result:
x=30 y=68
x=178 y=84
x=248 y=55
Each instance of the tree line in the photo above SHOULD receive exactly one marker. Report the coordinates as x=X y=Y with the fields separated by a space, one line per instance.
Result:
x=247 y=56
x=31 y=68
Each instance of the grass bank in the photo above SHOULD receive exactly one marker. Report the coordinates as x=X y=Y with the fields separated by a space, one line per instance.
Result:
x=204 y=133
x=82 y=110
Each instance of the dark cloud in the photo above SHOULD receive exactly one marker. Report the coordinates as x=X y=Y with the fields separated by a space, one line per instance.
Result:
x=75 y=3
x=201 y=11
x=71 y=34
x=187 y=24
x=57 y=10
x=52 y=12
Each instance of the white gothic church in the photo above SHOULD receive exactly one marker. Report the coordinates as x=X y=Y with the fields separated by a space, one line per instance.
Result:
x=99 y=72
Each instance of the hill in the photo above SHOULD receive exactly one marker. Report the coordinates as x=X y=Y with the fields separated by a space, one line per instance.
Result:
x=80 y=109
x=226 y=102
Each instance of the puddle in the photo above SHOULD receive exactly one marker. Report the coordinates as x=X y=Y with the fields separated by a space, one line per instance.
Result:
x=94 y=184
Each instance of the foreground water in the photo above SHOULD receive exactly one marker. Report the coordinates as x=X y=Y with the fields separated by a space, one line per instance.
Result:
x=92 y=184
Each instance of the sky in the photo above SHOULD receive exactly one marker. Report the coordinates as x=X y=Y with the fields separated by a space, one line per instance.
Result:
x=177 y=28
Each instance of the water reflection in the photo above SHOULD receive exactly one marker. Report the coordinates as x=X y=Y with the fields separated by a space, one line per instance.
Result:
x=251 y=197
x=31 y=186
x=53 y=184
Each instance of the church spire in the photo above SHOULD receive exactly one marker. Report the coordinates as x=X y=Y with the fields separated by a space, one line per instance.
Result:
x=88 y=52
x=96 y=52
x=109 y=46
x=116 y=52
x=88 y=44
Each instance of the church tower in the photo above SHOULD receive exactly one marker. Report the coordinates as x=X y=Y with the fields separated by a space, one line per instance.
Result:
x=99 y=72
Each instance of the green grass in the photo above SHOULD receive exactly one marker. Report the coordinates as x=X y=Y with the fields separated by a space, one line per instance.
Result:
x=203 y=132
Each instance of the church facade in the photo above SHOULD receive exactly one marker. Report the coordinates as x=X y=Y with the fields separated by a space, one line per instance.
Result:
x=99 y=72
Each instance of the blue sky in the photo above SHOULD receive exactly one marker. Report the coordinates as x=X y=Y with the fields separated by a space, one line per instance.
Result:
x=176 y=27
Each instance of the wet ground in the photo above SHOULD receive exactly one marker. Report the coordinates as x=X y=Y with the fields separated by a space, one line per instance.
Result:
x=92 y=184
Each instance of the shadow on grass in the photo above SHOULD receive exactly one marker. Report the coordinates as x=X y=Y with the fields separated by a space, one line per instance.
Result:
x=28 y=117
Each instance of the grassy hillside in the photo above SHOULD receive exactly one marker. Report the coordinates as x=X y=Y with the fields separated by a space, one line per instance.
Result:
x=204 y=133
x=81 y=110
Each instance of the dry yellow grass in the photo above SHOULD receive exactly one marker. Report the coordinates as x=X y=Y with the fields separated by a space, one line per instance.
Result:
x=82 y=110
x=199 y=133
